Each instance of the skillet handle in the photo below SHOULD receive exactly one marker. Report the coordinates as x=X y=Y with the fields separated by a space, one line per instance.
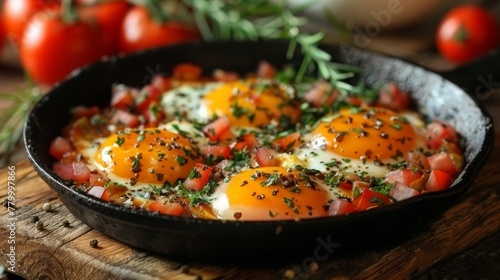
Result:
x=480 y=76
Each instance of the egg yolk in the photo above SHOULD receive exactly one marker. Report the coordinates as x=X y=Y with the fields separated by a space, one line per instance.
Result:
x=251 y=104
x=371 y=134
x=268 y=193
x=150 y=156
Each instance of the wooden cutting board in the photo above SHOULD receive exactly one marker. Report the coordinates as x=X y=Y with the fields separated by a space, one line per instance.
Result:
x=59 y=252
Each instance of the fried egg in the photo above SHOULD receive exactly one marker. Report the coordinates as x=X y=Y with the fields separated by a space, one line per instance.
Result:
x=366 y=141
x=247 y=103
x=143 y=157
x=268 y=193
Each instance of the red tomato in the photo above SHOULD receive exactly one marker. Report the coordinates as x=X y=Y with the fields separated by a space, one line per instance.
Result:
x=401 y=191
x=109 y=15
x=167 y=208
x=437 y=133
x=340 y=207
x=442 y=161
x=265 y=157
x=76 y=171
x=51 y=48
x=125 y=118
x=187 y=72
x=59 y=147
x=467 y=32
x=392 y=97
x=2 y=35
x=140 y=31
x=320 y=94
x=266 y=70
x=438 y=181
x=217 y=151
x=403 y=176
x=247 y=141
x=216 y=129
x=288 y=142
x=199 y=181
x=368 y=199
x=16 y=14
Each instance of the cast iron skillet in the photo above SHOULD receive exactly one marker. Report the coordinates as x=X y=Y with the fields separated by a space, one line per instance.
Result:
x=435 y=96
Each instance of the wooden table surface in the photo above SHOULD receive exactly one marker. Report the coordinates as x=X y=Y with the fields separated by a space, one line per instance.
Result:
x=463 y=244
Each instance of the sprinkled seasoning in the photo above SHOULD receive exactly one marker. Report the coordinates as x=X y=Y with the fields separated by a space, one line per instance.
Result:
x=237 y=215
x=39 y=225
x=94 y=243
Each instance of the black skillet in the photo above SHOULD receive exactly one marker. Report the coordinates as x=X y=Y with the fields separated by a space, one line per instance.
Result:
x=435 y=96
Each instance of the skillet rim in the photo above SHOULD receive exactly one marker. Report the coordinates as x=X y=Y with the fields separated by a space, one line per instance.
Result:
x=461 y=184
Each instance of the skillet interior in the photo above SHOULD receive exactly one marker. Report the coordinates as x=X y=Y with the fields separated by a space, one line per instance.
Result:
x=212 y=240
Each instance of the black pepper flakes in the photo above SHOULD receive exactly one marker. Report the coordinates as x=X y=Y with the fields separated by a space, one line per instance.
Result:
x=384 y=135
x=65 y=223
x=94 y=243
x=35 y=219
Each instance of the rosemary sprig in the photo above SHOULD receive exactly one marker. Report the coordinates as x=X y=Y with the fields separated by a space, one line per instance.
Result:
x=262 y=19
x=12 y=118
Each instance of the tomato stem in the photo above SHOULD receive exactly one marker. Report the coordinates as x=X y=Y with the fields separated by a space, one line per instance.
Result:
x=461 y=35
x=155 y=11
x=68 y=11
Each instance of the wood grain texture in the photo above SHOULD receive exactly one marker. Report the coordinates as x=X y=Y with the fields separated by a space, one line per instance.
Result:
x=59 y=252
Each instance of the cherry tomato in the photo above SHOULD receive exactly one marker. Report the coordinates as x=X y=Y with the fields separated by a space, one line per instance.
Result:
x=51 y=48
x=140 y=31
x=17 y=13
x=2 y=35
x=467 y=32
x=109 y=16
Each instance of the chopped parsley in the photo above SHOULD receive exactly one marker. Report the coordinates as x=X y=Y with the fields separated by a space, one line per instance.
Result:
x=119 y=141
x=289 y=202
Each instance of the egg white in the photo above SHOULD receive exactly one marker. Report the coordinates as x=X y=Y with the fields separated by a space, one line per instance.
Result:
x=311 y=155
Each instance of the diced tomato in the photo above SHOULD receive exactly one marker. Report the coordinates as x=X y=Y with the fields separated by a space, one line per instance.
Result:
x=265 y=157
x=437 y=132
x=202 y=175
x=392 y=97
x=162 y=83
x=400 y=191
x=320 y=94
x=442 y=161
x=248 y=141
x=154 y=116
x=403 y=176
x=225 y=76
x=84 y=111
x=77 y=171
x=266 y=70
x=340 y=207
x=149 y=94
x=354 y=100
x=125 y=118
x=216 y=129
x=122 y=97
x=345 y=185
x=368 y=199
x=167 y=208
x=187 y=72
x=455 y=153
x=217 y=151
x=438 y=181
x=59 y=146
x=417 y=160
x=288 y=142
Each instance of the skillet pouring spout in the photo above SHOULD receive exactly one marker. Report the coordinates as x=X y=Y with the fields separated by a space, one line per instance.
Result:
x=210 y=240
